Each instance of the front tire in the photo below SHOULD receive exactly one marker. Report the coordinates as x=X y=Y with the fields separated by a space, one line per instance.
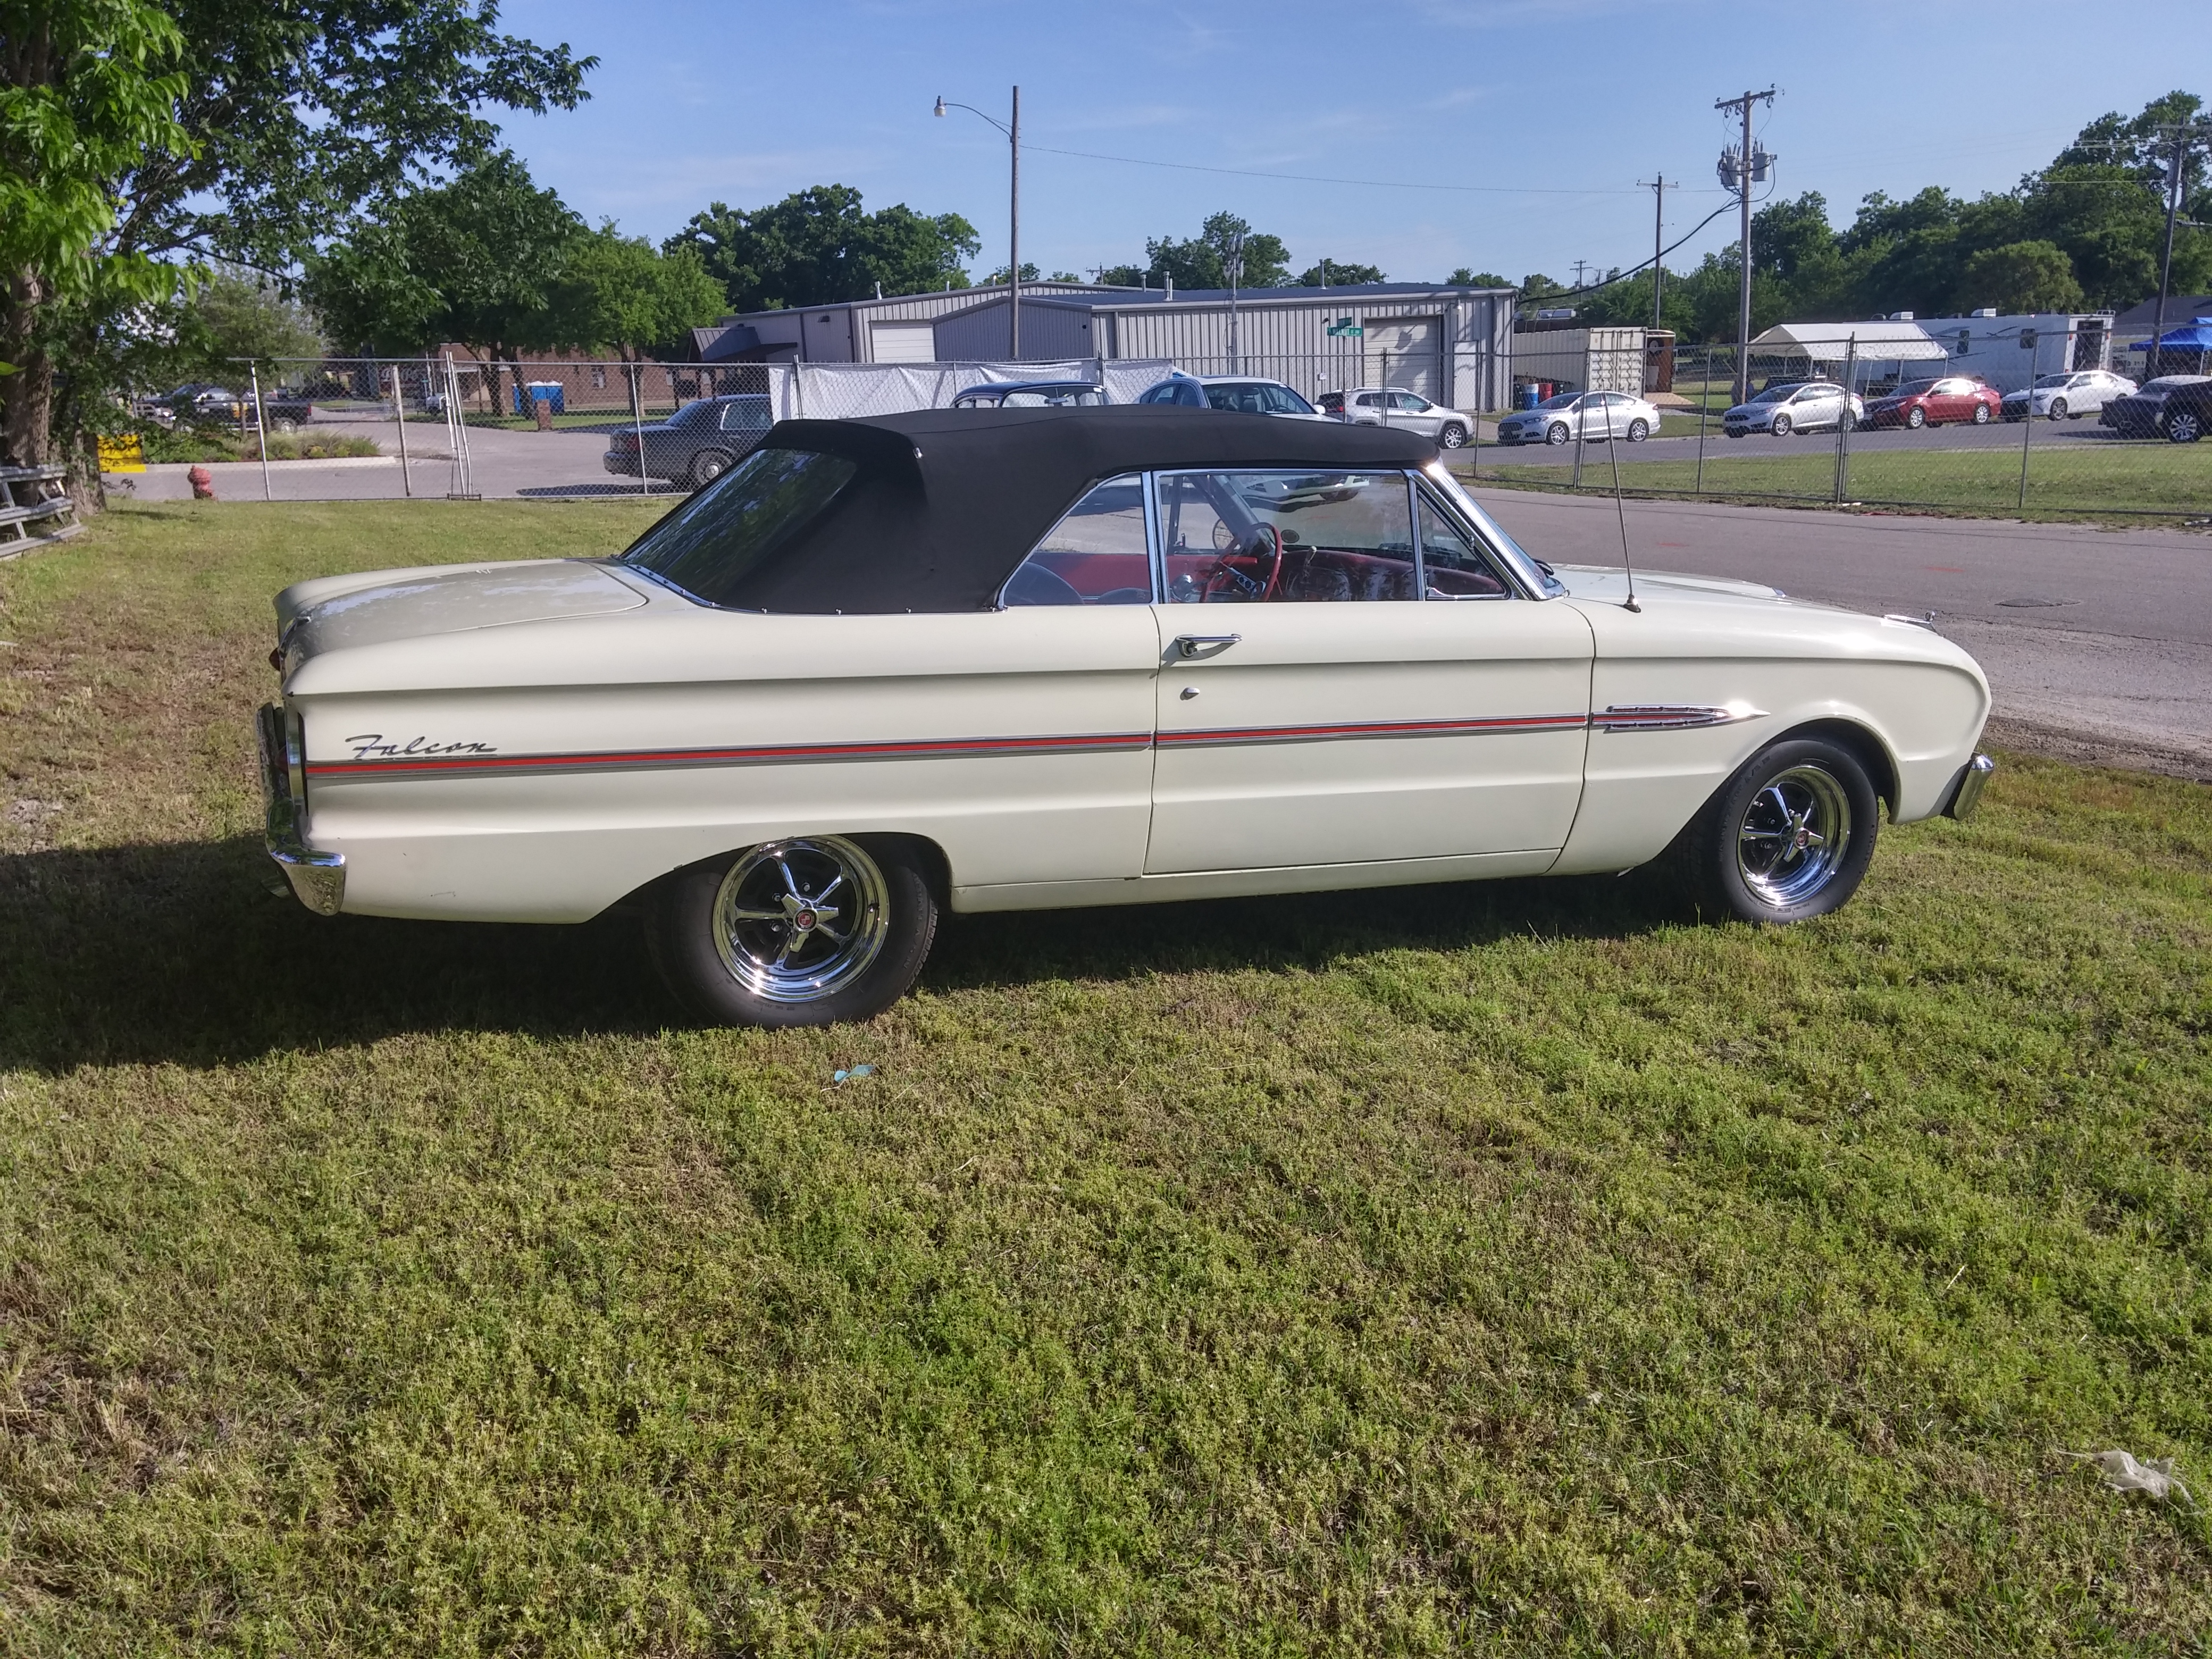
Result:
x=1451 y=437
x=1783 y=426
x=1789 y=837
x=2058 y=410
x=811 y=931
x=1916 y=417
x=1557 y=434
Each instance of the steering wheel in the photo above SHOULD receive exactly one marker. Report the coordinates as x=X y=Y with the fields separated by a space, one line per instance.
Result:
x=1267 y=544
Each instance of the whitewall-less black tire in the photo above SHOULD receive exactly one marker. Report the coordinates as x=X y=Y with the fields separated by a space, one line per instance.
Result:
x=1790 y=835
x=811 y=931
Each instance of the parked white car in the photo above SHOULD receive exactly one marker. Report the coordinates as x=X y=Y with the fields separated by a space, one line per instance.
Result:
x=1795 y=406
x=1068 y=657
x=1588 y=415
x=1375 y=405
x=2070 y=396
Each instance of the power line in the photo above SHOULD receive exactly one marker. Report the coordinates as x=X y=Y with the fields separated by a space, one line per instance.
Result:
x=1318 y=179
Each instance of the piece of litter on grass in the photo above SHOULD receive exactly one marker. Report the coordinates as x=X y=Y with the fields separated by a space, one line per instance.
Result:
x=2155 y=1478
x=853 y=1076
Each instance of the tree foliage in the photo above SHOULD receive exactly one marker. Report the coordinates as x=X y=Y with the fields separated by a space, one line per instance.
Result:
x=238 y=316
x=138 y=140
x=1339 y=273
x=820 y=245
x=1202 y=261
x=88 y=90
x=2086 y=231
x=621 y=291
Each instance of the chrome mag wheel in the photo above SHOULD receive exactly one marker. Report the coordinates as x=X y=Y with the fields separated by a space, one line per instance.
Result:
x=1795 y=834
x=797 y=921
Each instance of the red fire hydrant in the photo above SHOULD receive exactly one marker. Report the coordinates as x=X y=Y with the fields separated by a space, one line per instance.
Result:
x=203 y=484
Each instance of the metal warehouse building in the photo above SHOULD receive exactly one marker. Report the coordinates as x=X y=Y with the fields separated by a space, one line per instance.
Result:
x=1453 y=345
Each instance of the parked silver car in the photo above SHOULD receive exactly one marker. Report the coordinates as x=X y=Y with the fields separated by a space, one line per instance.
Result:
x=1792 y=406
x=1373 y=405
x=1237 y=394
x=1033 y=394
x=1591 y=415
x=2076 y=393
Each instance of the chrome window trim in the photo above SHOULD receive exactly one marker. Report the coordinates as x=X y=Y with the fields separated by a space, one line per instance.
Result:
x=1443 y=510
x=1521 y=571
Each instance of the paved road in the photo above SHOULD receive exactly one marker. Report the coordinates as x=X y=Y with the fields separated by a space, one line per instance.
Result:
x=2098 y=643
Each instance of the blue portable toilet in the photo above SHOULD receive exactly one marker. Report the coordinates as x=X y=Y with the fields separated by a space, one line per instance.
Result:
x=549 y=391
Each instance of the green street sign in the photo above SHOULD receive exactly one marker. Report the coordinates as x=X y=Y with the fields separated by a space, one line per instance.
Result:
x=1345 y=327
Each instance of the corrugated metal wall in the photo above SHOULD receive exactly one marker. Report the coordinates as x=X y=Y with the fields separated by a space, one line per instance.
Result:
x=1048 y=331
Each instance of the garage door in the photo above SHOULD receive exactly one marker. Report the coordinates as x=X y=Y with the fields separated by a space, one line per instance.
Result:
x=1408 y=346
x=902 y=343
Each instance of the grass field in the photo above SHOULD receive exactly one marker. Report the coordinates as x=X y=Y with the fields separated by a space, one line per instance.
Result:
x=1523 y=1268
x=2073 y=480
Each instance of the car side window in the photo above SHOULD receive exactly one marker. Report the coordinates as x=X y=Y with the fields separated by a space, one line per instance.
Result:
x=1096 y=555
x=742 y=417
x=1453 y=564
x=1286 y=538
x=1408 y=402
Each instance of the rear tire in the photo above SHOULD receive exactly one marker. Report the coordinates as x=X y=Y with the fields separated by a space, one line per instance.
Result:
x=1981 y=414
x=1789 y=837
x=707 y=466
x=752 y=937
x=2184 y=428
x=1638 y=431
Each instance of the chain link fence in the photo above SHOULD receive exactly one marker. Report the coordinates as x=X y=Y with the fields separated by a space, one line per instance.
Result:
x=1705 y=422
x=2053 y=437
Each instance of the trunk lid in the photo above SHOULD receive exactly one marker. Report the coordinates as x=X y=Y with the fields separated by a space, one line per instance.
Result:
x=336 y=613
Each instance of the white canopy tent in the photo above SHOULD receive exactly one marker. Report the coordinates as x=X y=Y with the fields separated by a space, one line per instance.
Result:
x=1828 y=343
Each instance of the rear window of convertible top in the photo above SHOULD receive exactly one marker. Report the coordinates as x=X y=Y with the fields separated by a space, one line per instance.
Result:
x=739 y=526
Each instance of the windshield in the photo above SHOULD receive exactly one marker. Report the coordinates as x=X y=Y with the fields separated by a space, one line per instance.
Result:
x=1564 y=400
x=2170 y=382
x=1776 y=394
x=708 y=546
x=2043 y=380
x=1914 y=389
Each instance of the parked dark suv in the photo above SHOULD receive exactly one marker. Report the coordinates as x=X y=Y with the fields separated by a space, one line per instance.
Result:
x=696 y=445
x=2175 y=407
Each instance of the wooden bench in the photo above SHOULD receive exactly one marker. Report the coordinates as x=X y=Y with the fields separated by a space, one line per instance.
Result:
x=35 y=509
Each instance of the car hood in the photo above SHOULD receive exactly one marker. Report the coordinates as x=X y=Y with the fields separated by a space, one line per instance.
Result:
x=336 y=613
x=1749 y=411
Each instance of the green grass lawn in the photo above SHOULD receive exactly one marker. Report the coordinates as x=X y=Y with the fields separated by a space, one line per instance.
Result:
x=2075 y=479
x=1520 y=1268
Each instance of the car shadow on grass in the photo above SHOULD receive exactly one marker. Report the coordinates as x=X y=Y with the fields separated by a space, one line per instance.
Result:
x=182 y=954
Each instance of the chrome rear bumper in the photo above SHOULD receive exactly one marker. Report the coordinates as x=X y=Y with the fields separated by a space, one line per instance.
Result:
x=1966 y=791
x=318 y=879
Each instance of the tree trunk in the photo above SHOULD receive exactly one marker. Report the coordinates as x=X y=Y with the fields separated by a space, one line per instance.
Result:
x=29 y=393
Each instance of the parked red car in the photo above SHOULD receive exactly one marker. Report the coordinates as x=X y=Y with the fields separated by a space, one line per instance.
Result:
x=1931 y=402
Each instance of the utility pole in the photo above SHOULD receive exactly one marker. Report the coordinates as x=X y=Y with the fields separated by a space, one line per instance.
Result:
x=1658 y=240
x=2184 y=133
x=1235 y=263
x=1739 y=172
x=1014 y=240
x=1580 y=265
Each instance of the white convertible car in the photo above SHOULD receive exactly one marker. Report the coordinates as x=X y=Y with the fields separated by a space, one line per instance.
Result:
x=1064 y=657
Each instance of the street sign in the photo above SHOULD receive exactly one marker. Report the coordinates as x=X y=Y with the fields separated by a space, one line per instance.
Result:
x=1346 y=328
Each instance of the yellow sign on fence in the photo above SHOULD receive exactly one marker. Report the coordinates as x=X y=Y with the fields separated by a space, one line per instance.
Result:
x=123 y=454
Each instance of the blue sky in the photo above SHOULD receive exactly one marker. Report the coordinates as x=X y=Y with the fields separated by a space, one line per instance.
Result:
x=1552 y=110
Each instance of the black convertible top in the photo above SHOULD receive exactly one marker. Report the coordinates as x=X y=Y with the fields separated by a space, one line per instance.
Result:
x=947 y=502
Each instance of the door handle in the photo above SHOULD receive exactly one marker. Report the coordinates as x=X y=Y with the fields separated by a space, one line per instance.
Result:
x=1189 y=645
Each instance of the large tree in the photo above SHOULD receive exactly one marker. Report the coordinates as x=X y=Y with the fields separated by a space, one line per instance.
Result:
x=1202 y=261
x=251 y=129
x=820 y=245
x=479 y=261
x=621 y=291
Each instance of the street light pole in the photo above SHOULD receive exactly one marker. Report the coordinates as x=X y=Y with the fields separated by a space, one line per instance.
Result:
x=1014 y=233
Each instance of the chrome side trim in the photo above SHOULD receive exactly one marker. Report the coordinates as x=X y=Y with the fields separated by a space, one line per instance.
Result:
x=1672 y=716
x=1967 y=793
x=1926 y=619
x=318 y=879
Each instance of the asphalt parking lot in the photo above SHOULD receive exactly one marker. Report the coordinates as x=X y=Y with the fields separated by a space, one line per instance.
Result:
x=2098 y=643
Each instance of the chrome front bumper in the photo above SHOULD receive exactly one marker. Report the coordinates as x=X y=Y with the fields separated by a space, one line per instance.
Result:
x=318 y=879
x=1966 y=791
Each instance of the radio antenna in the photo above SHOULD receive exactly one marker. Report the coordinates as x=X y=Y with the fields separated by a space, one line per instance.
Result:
x=1613 y=449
